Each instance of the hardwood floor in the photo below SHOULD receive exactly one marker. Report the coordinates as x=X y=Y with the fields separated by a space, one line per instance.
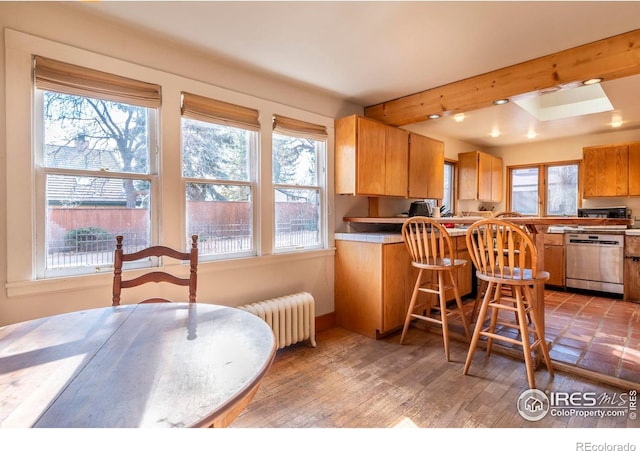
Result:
x=351 y=381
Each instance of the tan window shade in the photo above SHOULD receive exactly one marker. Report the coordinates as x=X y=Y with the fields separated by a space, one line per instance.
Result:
x=288 y=125
x=57 y=76
x=218 y=112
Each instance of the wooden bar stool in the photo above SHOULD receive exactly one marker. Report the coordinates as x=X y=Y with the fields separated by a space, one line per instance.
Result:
x=429 y=245
x=505 y=255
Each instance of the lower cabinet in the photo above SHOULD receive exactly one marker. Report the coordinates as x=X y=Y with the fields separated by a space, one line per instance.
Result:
x=374 y=281
x=554 y=258
x=372 y=286
x=632 y=268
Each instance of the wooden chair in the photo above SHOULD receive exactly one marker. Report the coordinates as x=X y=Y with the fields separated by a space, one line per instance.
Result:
x=155 y=276
x=499 y=250
x=429 y=245
x=482 y=286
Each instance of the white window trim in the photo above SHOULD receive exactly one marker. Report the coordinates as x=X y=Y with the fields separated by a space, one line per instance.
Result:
x=20 y=177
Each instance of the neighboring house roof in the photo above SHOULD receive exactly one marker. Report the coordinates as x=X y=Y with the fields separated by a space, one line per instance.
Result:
x=82 y=190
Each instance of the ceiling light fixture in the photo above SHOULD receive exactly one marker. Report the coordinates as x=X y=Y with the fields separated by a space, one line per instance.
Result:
x=592 y=81
x=500 y=101
x=532 y=134
x=434 y=116
x=495 y=133
x=459 y=117
x=616 y=121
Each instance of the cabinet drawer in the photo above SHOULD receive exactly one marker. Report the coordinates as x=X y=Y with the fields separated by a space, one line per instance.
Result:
x=554 y=239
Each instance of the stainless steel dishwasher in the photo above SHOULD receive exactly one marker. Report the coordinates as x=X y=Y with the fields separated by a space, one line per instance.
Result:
x=595 y=261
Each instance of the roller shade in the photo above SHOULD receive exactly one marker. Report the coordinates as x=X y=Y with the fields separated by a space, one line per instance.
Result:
x=52 y=75
x=287 y=125
x=218 y=112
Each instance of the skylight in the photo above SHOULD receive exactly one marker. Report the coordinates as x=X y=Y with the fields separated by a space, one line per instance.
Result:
x=566 y=103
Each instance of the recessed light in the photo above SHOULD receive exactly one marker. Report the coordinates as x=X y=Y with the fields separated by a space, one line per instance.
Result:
x=500 y=101
x=532 y=134
x=434 y=116
x=616 y=122
x=592 y=81
x=459 y=117
x=495 y=133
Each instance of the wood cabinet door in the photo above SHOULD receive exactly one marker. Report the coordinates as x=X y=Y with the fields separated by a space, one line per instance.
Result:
x=370 y=170
x=468 y=175
x=485 y=177
x=554 y=264
x=426 y=168
x=606 y=171
x=396 y=162
x=496 y=179
x=634 y=169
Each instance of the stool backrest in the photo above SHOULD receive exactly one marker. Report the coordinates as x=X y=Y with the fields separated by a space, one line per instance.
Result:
x=499 y=248
x=427 y=241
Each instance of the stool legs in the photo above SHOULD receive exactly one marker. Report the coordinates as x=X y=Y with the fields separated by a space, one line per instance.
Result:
x=523 y=305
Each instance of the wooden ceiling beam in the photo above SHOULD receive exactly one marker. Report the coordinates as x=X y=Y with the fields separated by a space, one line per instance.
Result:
x=614 y=57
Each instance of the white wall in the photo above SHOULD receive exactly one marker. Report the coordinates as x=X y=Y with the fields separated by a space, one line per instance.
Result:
x=232 y=283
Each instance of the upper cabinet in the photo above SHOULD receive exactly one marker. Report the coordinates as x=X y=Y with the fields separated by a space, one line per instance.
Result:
x=371 y=158
x=374 y=159
x=480 y=177
x=609 y=171
x=426 y=167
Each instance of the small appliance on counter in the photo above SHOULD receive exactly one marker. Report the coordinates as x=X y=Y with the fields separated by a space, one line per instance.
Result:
x=420 y=208
x=604 y=212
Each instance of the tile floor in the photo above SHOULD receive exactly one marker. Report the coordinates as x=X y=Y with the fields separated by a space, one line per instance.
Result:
x=596 y=333
x=592 y=332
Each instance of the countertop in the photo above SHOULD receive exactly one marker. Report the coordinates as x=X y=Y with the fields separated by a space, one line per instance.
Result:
x=384 y=237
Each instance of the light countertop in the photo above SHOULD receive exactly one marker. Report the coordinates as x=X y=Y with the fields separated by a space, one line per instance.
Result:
x=384 y=237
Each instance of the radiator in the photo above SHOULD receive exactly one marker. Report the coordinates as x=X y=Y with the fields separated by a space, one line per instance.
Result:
x=292 y=317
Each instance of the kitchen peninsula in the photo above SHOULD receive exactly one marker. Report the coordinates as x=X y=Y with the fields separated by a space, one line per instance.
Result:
x=374 y=275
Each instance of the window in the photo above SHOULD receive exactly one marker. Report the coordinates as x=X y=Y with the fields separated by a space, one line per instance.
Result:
x=556 y=193
x=298 y=176
x=449 y=184
x=219 y=145
x=94 y=166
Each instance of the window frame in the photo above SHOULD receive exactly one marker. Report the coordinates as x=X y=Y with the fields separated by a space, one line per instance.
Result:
x=321 y=185
x=252 y=183
x=542 y=183
x=20 y=180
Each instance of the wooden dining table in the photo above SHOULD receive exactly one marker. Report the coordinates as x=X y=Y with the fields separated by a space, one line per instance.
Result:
x=133 y=366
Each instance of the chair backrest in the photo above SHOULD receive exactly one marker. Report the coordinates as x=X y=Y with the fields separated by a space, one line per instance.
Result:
x=499 y=248
x=155 y=276
x=427 y=241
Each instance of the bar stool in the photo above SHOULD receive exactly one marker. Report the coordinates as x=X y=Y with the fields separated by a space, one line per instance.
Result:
x=429 y=245
x=502 y=252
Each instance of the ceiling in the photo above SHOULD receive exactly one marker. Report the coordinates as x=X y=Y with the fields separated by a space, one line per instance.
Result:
x=371 y=52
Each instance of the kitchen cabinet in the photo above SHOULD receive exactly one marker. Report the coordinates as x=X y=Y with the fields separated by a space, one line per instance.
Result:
x=426 y=167
x=611 y=170
x=554 y=258
x=373 y=283
x=632 y=268
x=480 y=177
x=371 y=158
